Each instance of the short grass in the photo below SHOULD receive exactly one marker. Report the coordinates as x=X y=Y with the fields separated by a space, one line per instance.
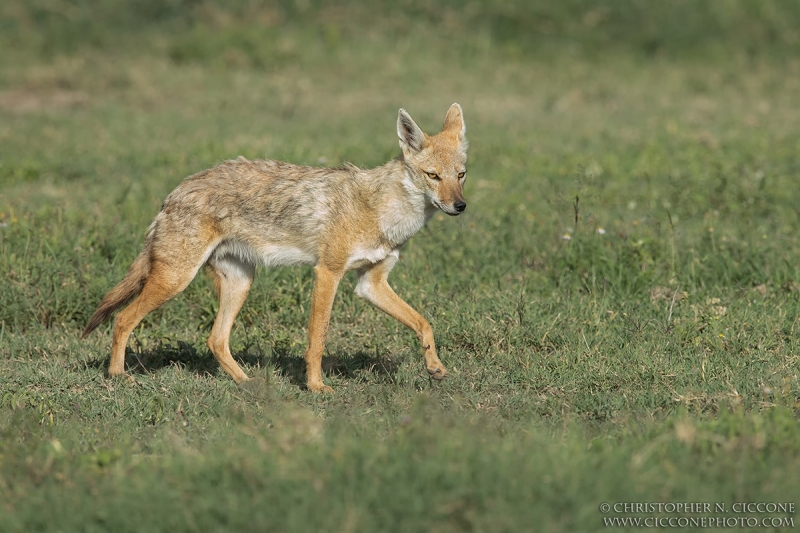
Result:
x=617 y=306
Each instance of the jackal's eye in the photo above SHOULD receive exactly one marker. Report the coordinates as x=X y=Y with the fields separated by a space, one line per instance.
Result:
x=433 y=176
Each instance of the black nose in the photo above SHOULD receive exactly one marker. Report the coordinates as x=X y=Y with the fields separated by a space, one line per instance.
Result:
x=460 y=205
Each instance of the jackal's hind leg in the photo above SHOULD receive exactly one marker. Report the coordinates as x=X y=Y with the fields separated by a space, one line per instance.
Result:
x=162 y=284
x=233 y=279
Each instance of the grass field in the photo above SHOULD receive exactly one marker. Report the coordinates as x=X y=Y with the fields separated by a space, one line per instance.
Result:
x=617 y=306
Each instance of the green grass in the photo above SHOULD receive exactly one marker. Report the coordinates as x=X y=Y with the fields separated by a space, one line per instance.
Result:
x=617 y=306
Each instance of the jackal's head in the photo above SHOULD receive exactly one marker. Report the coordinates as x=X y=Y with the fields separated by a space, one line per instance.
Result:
x=437 y=164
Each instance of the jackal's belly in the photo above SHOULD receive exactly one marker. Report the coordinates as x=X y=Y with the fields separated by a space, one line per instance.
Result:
x=266 y=253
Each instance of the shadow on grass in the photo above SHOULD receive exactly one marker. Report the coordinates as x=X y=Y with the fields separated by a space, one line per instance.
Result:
x=181 y=354
x=289 y=363
x=292 y=366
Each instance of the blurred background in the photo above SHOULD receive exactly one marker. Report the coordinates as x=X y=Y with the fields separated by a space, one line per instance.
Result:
x=267 y=34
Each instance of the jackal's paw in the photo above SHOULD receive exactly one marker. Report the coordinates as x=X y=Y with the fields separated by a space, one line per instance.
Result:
x=255 y=387
x=252 y=384
x=437 y=372
x=318 y=388
x=119 y=376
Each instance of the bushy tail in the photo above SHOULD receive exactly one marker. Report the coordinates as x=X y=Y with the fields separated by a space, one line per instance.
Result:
x=125 y=291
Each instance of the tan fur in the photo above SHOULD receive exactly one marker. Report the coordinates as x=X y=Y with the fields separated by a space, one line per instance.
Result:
x=242 y=213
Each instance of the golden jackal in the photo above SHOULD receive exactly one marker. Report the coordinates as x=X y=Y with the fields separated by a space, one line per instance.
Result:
x=242 y=213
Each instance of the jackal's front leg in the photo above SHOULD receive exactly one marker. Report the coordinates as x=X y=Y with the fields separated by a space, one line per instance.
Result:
x=325 y=286
x=374 y=287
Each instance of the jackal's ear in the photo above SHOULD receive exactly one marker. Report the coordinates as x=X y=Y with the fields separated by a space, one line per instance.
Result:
x=454 y=121
x=411 y=136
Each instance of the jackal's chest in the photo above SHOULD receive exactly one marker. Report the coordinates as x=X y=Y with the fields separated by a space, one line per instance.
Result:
x=362 y=256
x=402 y=220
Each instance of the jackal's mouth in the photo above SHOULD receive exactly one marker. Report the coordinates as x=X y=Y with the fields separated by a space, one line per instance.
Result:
x=453 y=210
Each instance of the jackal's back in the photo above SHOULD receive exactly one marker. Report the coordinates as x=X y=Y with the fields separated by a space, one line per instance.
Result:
x=259 y=194
x=267 y=211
